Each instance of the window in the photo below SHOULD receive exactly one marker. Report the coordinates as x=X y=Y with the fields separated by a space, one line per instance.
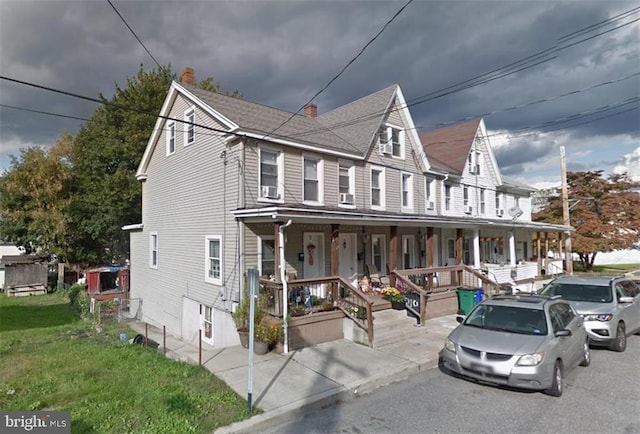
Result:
x=407 y=191
x=447 y=197
x=473 y=162
x=429 y=189
x=346 y=184
x=408 y=250
x=378 y=253
x=270 y=167
x=153 y=250
x=391 y=141
x=312 y=182
x=213 y=259
x=465 y=196
x=266 y=255
x=482 y=201
x=451 y=248
x=171 y=138
x=377 y=188
x=189 y=130
x=498 y=203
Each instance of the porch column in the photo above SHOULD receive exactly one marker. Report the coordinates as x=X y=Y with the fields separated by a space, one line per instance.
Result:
x=393 y=253
x=512 y=249
x=335 y=258
x=459 y=252
x=276 y=249
x=429 y=247
x=429 y=254
x=539 y=253
x=546 y=252
x=476 y=248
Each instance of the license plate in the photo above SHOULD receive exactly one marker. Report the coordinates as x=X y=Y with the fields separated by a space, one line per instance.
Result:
x=482 y=368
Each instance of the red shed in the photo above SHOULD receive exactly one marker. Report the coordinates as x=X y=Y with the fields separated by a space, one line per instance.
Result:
x=107 y=278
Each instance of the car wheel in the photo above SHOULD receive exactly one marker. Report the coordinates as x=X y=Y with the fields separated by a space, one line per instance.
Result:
x=558 y=381
x=586 y=354
x=620 y=342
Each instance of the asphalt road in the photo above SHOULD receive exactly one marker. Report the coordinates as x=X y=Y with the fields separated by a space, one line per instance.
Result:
x=602 y=398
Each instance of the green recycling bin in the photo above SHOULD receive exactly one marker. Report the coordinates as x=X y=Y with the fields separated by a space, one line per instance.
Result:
x=466 y=300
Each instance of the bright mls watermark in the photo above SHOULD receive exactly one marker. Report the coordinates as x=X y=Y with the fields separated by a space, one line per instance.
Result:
x=54 y=422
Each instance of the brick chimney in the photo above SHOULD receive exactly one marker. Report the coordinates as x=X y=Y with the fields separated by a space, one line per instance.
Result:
x=311 y=110
x=187 y=75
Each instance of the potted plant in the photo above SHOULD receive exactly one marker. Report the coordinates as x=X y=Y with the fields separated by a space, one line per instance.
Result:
x=396 y=298
x=266 y=334
x=241 y=317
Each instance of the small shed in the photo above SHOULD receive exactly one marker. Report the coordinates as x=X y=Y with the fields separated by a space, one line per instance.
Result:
x=25 y=274
x=107 y=278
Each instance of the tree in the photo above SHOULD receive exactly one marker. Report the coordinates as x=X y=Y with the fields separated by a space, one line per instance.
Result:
x=106 y=155
x=35 y=193
x=605 y=213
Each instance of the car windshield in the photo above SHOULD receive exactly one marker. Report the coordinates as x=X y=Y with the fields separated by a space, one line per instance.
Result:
x=575 y=292
x=508 y=319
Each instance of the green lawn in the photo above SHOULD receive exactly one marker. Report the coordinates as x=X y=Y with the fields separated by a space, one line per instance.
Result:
x=612 y=269
x=49 y=360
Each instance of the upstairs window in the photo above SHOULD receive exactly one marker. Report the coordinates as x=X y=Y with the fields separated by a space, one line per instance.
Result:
x=407 y=191
x=171 y=138
x=465 y=196
x=377 y=188
x=346 y=184
x=213 y=259
x=429 y=189
x=189 y=130
x=391 y=141
x=473 y=162
x=153 y=250
x=447 y=197
x=482 y=201
x=312 y=181
x=270 y=163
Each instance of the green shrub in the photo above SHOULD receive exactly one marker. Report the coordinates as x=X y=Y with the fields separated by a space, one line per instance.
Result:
x=79 y=301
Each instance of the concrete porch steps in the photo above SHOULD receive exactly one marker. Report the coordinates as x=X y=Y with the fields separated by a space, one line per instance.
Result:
x=391 y=326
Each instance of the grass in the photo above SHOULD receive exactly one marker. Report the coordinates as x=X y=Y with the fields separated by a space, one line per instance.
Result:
x=49 y=360
x=613 y=269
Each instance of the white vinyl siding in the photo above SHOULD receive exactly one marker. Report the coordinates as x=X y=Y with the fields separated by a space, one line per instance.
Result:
x=213 y=259
x=189 y=127
x=153 y=250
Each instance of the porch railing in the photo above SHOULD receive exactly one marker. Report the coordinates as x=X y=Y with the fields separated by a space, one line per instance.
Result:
x=416 y=297
x=306 y=296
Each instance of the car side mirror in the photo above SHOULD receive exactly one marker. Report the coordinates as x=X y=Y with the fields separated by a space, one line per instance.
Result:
x=460 y=319
x=625 y=299
x=563 y=332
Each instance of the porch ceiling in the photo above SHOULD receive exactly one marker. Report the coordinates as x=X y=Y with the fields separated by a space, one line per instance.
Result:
x=373 y=218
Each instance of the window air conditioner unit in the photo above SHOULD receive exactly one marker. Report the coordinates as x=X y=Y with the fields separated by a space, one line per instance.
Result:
x=500 y=212
x=473 y=169
x=431 y=205
x=269 y=192
x=386 y=148
x=346 y=198
x=468 y=209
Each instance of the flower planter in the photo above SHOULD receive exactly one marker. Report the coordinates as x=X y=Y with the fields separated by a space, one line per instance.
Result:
x=260 y=347
x=397 y=305
x=244 y=338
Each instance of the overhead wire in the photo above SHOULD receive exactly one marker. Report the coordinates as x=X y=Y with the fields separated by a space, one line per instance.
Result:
x=134 y=33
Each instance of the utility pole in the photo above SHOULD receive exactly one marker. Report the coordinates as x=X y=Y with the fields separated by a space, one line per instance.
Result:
x=568 y=255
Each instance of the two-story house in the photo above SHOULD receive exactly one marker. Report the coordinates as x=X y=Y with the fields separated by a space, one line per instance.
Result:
x=355 y=186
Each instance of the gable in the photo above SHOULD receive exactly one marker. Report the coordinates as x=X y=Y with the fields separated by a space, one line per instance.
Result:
x=447 y=148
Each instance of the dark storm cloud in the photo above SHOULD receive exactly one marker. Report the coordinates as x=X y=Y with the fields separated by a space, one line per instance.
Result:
x=282 y=53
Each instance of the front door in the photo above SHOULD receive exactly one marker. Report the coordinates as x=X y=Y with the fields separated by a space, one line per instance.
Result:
x=348 y=258
x=206 y=324
x=313 y=245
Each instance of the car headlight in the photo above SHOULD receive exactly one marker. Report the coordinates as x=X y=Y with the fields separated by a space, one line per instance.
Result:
x=449 y=345
x=602 y=317
x=530 y=359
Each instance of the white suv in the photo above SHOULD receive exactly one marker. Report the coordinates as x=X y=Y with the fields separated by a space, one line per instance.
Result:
x=610 y=306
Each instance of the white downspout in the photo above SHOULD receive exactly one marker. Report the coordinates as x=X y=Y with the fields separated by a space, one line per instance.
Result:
x=285 y=287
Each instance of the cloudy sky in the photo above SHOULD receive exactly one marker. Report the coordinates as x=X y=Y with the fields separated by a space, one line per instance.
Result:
x=582 y=94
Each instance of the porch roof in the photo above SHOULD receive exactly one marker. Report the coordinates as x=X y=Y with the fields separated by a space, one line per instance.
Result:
x=373 y=218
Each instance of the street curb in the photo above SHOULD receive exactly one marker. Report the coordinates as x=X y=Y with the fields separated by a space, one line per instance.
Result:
x=293 y=411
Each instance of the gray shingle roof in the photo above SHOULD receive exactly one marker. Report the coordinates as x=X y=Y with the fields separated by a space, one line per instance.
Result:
x=513 y=183
x=349 y=128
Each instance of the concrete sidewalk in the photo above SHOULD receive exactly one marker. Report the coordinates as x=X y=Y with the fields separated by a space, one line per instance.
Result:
x=287 y=385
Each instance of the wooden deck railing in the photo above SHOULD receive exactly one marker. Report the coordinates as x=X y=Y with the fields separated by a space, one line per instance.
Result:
x=416 y=301
x=307 y=296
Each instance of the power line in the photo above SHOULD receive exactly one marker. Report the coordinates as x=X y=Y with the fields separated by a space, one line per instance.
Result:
x=504 y=71
x=43 y=112
x=345 y=67
x=133 y=33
